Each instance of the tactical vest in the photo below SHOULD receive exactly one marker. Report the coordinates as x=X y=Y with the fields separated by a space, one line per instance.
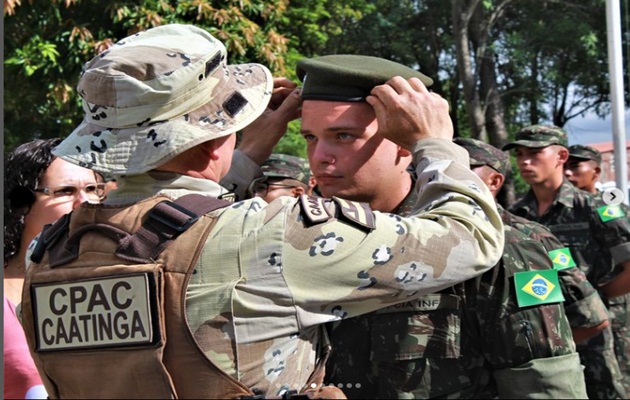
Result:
x=104 y=307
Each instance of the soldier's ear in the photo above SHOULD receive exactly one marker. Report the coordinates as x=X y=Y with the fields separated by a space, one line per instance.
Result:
x=563 y=154
x=495 y=181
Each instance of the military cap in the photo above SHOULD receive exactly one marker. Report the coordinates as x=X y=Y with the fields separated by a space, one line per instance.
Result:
x=481 y=153
x=158 y=93
x=539 y=136
x=286 y=167
x=585 y=153
x=348 y=77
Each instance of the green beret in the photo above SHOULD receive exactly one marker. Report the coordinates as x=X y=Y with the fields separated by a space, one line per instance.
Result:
x=585 y=153
x=481 y=153
x=347 y=77
x=286 y=167
x=539 y=136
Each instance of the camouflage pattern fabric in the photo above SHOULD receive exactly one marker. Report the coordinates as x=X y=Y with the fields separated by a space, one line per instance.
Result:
x=286 y=167
x=451 y=344
x=539 y=136
x=619 y=309
x=585 y=153
x=309 y=261
x=582 y=303
x=596 y=246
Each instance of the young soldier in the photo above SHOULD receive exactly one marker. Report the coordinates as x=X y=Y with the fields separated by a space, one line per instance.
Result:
x=285 y=175
x=583 y=170
x=211 y=299
x=471 y=340
x=598 y=239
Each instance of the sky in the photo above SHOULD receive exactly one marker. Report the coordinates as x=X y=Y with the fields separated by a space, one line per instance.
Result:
x=593 y=129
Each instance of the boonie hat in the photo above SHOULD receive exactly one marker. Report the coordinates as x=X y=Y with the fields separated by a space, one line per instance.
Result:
x=286 y=167
x=481 y=153
x=539 y=136
x=585 y=153
x=160 y=92
x=348 y=77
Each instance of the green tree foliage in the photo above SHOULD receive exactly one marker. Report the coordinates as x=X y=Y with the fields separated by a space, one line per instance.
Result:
x=47 y=43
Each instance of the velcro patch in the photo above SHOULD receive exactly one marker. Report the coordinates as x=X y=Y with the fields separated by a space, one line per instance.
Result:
x=357 y=213
x=537 y=287
x=562 y=258
x=608 y=213
x=96 y=313
x=314 y=209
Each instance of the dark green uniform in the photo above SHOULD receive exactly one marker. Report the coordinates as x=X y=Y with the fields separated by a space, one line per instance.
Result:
x=470 y=340
x=598 y=240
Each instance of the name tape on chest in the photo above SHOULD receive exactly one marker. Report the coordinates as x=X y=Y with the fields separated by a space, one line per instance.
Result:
x=426 y=303
x=104 y=312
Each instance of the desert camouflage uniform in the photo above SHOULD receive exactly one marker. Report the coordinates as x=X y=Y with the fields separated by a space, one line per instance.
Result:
x=596 y=246
x=270 y=275
x=470 y=340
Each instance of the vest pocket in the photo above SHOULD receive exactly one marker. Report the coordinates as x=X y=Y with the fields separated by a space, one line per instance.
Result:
x=105 y=325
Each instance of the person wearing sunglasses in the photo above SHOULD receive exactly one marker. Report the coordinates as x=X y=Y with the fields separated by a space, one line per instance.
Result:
x=284 y=175
x=39 y=188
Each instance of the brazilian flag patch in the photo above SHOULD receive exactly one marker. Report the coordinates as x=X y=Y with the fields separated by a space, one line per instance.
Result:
x=537 y=287
x=608 y=213
x=561 y=258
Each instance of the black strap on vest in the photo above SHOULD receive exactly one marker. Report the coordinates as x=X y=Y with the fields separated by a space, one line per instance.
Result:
x=164 y=223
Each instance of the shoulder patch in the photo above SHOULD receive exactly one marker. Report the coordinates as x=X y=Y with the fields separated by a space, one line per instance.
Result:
x=357 y=213
x=314 y=209
x=562 y=258
x=608 y=213
x=539 y=287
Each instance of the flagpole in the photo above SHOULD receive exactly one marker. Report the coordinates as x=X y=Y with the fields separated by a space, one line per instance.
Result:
x=615 y=59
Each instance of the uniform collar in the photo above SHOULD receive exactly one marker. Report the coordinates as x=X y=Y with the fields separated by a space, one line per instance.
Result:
x=133 y=188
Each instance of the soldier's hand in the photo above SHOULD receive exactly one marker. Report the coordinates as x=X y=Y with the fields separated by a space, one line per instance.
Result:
x=260 y=137
x=407 y=112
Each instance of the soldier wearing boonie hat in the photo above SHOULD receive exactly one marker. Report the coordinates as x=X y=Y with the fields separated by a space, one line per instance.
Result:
x=213 y=299
x=596 y=234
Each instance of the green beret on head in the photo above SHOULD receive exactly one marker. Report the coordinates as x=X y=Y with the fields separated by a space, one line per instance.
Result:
x=539 y=136
x=347 y=77
x=481 y=153
x=585 y=153
x=283 y=166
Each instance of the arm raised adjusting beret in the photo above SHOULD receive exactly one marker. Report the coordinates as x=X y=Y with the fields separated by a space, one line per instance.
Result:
x=346 y=77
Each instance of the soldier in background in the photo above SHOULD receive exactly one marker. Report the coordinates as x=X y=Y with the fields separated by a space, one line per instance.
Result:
x=598 y=238
x=285 y=175
x=583 y=170
x=471 y=340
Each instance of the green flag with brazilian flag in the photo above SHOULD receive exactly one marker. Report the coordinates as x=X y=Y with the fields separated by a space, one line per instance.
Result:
x=537 y=287
x=608 y=213
x=562 y=258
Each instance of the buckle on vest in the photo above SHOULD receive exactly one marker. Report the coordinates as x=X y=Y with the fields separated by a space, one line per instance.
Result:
x=173 y=216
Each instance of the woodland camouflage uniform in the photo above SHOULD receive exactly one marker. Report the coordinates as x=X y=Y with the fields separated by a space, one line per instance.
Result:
x=598 y=239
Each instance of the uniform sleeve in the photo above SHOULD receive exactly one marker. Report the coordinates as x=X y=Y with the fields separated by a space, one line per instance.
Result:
x=358 y=261
x=241 y=174
x=582 y=304
x=545 y=378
